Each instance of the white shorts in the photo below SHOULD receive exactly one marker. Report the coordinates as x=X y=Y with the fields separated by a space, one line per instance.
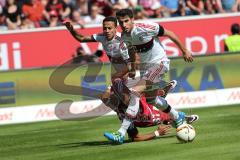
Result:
x=156 y=72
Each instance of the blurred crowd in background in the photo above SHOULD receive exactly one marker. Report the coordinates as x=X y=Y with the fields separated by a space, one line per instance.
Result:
x=24 y=14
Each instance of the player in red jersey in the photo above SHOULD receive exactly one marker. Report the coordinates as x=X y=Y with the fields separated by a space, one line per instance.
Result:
x=147 y=116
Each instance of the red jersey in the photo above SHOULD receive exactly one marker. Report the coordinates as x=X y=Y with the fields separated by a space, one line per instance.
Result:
x=148 y=115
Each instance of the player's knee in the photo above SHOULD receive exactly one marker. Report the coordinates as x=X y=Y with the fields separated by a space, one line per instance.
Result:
x=112 y=102
x=105 y=96
x=132 y=112
x=134 y=93
x=161 y=103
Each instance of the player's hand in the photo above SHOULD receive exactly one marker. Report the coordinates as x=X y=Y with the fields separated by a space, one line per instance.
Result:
x=132 y=74
x=163 y=130
x=68 y=25
x=187 y=56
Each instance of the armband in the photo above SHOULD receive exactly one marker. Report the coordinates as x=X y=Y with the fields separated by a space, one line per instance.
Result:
x=161 y=31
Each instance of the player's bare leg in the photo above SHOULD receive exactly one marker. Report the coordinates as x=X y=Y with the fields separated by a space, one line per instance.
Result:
x=161 y=91
x=131 y=112
x=169 y=87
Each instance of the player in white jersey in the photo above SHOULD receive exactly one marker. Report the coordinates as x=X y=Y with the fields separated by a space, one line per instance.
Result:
x=109 y=38
x=143 y=38
x=147 y=116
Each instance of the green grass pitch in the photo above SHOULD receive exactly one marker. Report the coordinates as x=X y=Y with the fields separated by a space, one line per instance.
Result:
x=217 y=139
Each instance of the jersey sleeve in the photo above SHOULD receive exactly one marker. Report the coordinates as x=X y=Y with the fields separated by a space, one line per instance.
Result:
x=98 y=37
x=151 y=28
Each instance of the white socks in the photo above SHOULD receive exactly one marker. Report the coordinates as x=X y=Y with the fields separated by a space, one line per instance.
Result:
x=162 y=104
x=173 y=113
x=125 y=125
x=131 y=112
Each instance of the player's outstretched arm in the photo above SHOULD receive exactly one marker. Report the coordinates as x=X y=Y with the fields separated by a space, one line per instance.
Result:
x=162 y=130
x=132 y=65
x=79 y=37
x=187 y=55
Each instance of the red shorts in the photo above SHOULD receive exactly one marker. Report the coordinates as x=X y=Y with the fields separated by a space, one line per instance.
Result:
x=149 y=115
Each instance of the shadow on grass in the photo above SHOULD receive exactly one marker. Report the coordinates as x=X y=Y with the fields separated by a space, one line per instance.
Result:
x=167 y=136
x=89 y=143
x=100 y=143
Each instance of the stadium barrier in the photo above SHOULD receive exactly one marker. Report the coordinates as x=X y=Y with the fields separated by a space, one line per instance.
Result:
x=209 y=81
x=205 y=73
x=48 y=112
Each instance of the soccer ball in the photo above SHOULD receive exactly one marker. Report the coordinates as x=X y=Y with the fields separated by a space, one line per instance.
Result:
x=185 y=133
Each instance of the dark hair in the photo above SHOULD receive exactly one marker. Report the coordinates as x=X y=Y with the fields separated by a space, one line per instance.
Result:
x=111 y=19
x=124 y=12
x=235 y=28
x=7 y=3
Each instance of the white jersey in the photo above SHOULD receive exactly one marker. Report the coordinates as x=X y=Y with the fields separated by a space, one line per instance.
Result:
x=144 y=38
x=112 y=47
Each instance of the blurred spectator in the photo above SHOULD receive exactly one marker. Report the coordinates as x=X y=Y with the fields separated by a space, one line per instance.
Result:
x=139 y=13
x=183 y=10
x=34 y=10
x=104 y=6
x=60 y=7
x=158 y=10
x=173 y=8
x=149 y=5
x=12 y=13
x=123 y=3
x=196 y=6
x=228 y=5
x=2 y=3
x=44 y=3
x=95 y=17
x=210 y=6
x=54 y=19
x=82 y=7
x=3 y=26
x=232 y=43
x=1 y=9
x=82 y=58
x=132 y=3
x=26 y=23
x=77 y=18
x=116 y=7
x=20 y=3
x=70 y=5
x=83 y=12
